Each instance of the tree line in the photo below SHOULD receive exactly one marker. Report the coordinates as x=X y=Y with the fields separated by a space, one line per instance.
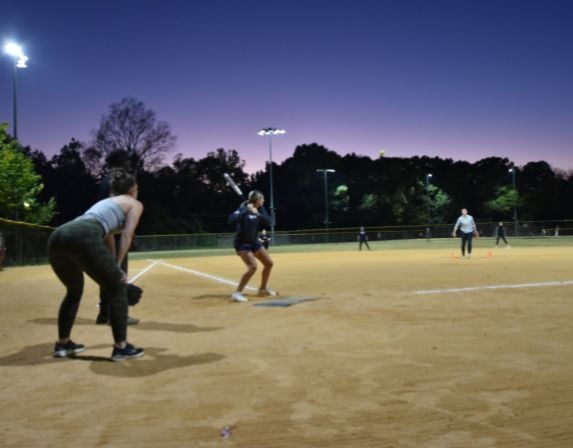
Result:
x=190 y=195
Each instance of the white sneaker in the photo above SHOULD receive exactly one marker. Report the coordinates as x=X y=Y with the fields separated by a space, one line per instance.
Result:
x=468 y=255
x=239 y=297
x=266 y=292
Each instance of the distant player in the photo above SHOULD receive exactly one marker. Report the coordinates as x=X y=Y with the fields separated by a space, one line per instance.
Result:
x=501 y=235
x=428 y=235
x=467 y=227
x=265 y=238
x=247 y=218
x=362 y=238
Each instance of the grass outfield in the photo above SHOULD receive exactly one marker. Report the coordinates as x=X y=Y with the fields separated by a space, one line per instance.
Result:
x=450 y=244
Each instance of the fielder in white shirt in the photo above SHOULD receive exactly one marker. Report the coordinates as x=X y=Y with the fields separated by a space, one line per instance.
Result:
x=467 y=227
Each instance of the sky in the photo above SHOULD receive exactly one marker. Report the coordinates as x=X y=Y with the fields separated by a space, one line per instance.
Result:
x=460 y=79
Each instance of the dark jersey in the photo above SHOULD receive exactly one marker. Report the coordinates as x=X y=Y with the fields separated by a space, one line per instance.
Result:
x=501 y=231
x=248 y=224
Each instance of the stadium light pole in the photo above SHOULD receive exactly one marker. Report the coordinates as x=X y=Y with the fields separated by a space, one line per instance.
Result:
x=325 y=171
x=270 y=132
x=428 y=177
x=512 y=171
x=20 y=60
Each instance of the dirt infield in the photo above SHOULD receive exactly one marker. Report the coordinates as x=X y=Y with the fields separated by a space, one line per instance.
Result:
x=389 y=356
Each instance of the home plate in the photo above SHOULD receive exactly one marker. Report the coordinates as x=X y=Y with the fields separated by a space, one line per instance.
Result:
x=285 y=301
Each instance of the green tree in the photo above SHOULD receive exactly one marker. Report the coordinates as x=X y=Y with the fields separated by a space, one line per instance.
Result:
x=437 y=201
x=20 y=185
x=505 y=198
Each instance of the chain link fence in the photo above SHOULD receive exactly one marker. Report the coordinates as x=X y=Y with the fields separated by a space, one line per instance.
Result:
x=26 y=243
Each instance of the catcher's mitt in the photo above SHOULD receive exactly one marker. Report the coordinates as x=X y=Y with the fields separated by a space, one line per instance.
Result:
x=134 y=294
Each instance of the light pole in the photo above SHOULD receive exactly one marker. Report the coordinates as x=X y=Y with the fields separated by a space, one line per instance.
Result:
x=512 y=171
x=326 y=171
x=20 y=60
x=270 y=132
x=428 y=177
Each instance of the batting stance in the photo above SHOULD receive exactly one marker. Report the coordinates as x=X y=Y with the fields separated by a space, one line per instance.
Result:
x=467 y=227
x=247 y=219
x=87 y=245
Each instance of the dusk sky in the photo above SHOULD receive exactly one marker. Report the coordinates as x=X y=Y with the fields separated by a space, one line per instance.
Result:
x=460 y=79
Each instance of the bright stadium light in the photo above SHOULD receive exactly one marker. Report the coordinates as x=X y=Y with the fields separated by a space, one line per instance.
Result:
x=16 y=52
x=264 y=133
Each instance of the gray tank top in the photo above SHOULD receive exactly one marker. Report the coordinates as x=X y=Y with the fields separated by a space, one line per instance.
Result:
x=110 y=215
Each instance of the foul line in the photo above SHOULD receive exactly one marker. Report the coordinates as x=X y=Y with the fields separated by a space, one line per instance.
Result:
x=204 y=275
x=135 y=277
x=483 y=288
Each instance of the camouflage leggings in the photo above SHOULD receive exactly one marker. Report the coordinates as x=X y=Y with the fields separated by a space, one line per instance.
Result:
x=77 y=247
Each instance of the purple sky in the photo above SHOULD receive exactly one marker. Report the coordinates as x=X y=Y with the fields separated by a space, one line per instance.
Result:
x=449 y=78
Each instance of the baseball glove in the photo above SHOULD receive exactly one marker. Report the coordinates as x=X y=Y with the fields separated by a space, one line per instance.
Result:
x=134 y=294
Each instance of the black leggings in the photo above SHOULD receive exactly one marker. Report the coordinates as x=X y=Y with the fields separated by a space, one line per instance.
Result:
x=500 y=237
x=363 y=242
x=466 y=239
x=77 y=247
x=103 y=299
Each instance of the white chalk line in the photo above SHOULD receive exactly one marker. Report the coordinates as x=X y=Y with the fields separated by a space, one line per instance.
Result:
x=143 y=271
x=205 y=275
x=135 y=277
x=490 y=287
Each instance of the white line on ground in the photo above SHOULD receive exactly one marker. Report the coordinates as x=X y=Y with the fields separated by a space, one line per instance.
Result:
x=143 y=271
x=484 y=288
x=204 y=275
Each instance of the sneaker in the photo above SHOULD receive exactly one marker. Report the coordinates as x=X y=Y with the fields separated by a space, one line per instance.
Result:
x=132 y=320
x=266 y=292
x=239 y=297
x=70 y=348
x=102 y=319
x=468 y=255
x=129 y=352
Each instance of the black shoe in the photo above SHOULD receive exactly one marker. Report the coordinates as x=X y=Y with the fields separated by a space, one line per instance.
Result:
x=129 y=352
x=103 y=320
x=70 y=348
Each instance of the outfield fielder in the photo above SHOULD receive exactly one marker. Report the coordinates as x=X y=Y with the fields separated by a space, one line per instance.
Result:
x=467 y=227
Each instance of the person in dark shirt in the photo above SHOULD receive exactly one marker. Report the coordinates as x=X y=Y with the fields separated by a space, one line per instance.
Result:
x=247 y=219
x=264 y=238
x=363 y=238
x=501 y=234
x=118 y=158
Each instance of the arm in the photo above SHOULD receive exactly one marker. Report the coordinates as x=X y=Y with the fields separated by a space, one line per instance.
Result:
x=109 y=241
x=456 y=227
x=131 y=221
x=265 y=219
x=237 y=215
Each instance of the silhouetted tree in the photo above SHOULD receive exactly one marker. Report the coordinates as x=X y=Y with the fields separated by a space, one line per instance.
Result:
x=129 y=125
